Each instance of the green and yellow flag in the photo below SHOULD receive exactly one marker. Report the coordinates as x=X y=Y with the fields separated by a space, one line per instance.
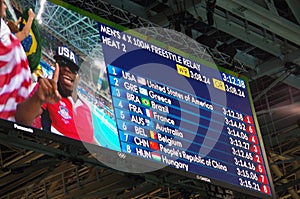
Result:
x=32 y=43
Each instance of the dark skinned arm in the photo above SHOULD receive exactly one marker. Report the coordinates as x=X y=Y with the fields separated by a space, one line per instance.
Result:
x=47 y=91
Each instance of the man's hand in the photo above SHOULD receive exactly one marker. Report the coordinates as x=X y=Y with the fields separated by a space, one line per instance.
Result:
x=47 y=90
x=31 y=14
x=21 y=35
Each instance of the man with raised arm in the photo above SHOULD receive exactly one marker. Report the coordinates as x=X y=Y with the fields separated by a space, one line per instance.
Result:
x=61 y=111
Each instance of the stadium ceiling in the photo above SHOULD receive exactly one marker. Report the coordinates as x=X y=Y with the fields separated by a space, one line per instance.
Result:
x=265 y=37
x=263 y=34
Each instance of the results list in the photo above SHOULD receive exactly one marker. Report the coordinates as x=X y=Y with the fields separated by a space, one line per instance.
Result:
x=149 y=123
x=175 y=127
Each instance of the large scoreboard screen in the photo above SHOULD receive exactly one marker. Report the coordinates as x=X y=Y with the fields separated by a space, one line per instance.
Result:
x=183 y=113
x=165 y=106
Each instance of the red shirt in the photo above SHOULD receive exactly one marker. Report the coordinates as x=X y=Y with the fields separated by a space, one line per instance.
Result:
x=71 y=119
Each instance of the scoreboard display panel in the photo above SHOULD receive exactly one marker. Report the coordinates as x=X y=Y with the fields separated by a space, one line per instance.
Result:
x=184 y=113
x=163 y=105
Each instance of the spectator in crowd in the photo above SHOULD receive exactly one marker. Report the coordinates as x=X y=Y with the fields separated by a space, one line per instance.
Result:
x=13 y=26
x=15 y=77
x=56 y=100
x=26 y=30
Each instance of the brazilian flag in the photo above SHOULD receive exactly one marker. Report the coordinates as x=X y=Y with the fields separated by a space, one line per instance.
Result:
x=32 y=43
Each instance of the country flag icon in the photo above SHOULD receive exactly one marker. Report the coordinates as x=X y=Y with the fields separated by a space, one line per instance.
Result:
x=143 y=91
x=141 y=80
x=148 y=112
x=154 y=145
x=156 y=156
x=145 y=101
x=148 y=122
x=153 y=135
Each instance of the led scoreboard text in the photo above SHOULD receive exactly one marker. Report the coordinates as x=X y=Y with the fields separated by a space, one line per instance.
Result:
x=146 y=132
x=157 y=120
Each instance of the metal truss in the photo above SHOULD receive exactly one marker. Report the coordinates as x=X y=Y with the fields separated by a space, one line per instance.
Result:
x=82 y=33
x=71 y=27
x=122 y=17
